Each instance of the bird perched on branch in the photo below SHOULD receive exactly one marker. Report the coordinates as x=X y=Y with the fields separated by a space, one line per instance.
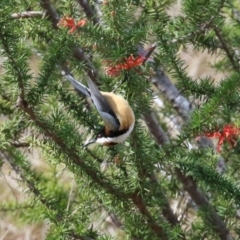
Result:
x=114 y=110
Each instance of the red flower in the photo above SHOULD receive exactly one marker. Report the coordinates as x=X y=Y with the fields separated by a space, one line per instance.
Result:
x=69 y=22
x=81 y=23
x=227 y=134
x=129 y=63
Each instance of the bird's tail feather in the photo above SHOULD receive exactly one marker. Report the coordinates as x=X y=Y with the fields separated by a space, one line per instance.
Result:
x=79 y=87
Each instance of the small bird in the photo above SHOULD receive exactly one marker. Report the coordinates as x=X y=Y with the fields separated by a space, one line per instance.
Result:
x=117 y=115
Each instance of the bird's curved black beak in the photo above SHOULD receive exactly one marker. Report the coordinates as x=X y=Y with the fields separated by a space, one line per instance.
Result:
x=88 y=143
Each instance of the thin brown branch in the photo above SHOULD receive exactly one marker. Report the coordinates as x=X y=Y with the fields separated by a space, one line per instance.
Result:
x=50 y=12
x=226 y=48
x=192 y=35
x=27 y=14
x=166 y=208
x=172 y=94
x=78 y=53
x=117 y=223
x=202 y=29
x=20 y=144
x=139 y=203
x=198 y=197
x=155 y=129
x=88 y=11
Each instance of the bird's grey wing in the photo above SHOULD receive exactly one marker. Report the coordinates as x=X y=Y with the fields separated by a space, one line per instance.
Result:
x=79 y=87
x=105 y=111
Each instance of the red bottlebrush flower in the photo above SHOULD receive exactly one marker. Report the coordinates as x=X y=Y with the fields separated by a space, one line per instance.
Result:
x=69 y=22
x=129 y=63
x=113 y=71
x=81 y=23
x=227 y=134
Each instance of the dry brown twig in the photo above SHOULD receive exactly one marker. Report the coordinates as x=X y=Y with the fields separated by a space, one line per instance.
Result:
x=28 y=14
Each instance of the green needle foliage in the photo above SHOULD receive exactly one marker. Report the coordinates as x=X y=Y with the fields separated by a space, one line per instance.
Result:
x=167 y=180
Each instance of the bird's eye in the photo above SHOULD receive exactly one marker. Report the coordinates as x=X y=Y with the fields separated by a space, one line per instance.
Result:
x=100 y=135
